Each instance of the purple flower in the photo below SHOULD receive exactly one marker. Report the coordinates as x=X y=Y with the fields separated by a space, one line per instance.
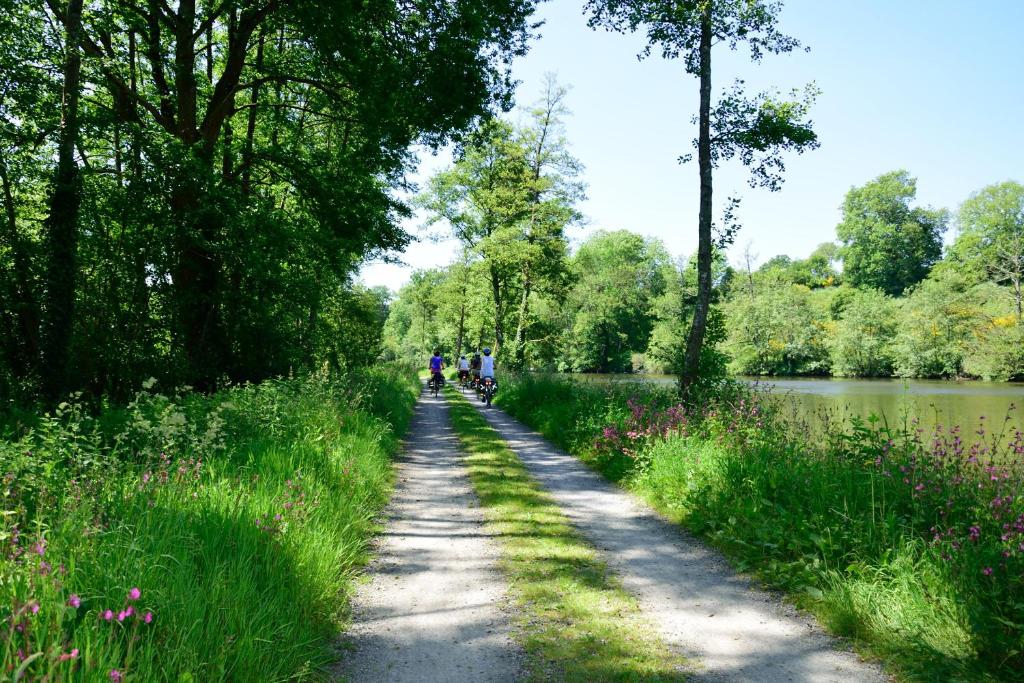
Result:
x=147 y=618
x=107 y=615
x=134 y=594
x=987 y=571
x=75 y=601
x=115 y=675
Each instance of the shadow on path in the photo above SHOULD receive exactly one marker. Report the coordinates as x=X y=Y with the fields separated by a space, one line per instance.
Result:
x=733 y=631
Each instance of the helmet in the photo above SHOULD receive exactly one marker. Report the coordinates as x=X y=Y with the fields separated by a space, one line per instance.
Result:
x=462 y=357
x=437 y=353
x=487 y=351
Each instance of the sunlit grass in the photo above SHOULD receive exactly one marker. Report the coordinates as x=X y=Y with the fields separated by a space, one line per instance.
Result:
x=833 y=523
x=574 y=620
x=244 y=554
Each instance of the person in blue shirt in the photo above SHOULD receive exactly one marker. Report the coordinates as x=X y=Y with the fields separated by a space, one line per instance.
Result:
x=436 y=366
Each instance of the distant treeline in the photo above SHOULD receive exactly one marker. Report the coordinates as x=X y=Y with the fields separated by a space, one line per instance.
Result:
x=884 y=299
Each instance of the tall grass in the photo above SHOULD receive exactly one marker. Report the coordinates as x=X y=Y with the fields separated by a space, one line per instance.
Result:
x=194 y=538
x=911 y=544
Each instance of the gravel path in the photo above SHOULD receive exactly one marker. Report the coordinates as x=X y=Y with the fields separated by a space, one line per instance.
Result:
x=732 y=631
x=433 y=610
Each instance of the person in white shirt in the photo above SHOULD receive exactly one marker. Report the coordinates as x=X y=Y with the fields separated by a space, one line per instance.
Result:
x=487 y=364
x=463 y=368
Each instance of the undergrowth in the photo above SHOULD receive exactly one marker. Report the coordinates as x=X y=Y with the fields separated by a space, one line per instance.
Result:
x=911 y=544
x=189 y=538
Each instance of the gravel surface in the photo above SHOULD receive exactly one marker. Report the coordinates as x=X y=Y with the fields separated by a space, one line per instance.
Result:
x=434 y=609
x=731 y=630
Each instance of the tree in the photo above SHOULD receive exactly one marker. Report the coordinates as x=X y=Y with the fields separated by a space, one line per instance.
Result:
x=937 y=321
x=755 y=129
x=617 y=277
x=776 y=331
x=508 y=199
x=886 y=244
x=991 y=240
x=62 y=222
x=862 y=346
x=330 y=96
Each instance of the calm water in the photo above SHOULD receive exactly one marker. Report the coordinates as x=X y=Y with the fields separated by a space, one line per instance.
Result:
x=932 y=401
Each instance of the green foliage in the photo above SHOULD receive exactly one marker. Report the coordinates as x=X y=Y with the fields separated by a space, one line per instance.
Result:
x=887 y=245
x=508 y=199
x=862 y=346
x=776 y=329
x=241 y=518
x=617 y=278
x=238 y=161
x=896 y=540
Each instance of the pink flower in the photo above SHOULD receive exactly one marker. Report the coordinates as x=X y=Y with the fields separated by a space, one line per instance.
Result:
x=134 y=594
x=35 y=608
x=107 y=615
x=987 y=571
x=129 y=612
x=147 y=618
x=69 y=655
x=75 y=601
x=121 y=615
x=115 y=675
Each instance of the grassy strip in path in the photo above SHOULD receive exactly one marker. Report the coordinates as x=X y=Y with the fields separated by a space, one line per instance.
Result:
x=575 y=621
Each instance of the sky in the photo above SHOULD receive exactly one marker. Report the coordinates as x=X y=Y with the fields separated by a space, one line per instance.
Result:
x=935 y=87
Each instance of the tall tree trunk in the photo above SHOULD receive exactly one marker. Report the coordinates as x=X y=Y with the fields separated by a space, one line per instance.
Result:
x=250 y=130
x=519 y=360
x=62 y=222
x=462 y=328
x=691 y=360
x=499 y=311
x=197 y=274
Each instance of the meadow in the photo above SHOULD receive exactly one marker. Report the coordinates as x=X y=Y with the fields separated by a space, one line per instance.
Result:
x=911 y=543
x=188 y=537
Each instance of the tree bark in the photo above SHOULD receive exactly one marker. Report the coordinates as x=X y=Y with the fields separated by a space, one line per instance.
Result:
x=62 y=222
x=695 y=341
x=519 y=359
x=499 y=311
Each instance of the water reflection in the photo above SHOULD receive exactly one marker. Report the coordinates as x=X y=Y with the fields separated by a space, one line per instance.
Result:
x=898 y=402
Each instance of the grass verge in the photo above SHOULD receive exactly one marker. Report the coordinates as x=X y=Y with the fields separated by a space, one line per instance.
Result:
x=909 y=545
x=191 y=537
x=575 y=622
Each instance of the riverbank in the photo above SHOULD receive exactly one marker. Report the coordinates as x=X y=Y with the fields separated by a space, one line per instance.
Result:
x=896 y=541
x=195 y=538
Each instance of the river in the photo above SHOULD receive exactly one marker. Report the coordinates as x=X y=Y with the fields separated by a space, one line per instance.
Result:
x=966 y=403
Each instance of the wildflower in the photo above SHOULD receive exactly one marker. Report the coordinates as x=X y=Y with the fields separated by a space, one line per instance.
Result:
x=40 y=547
x=69 y=655
x=121 y=615
x=147 y=618
x=129 y=612
x=74 y=601
x=107 y=615
x=115 y=675
x=34 y=608
x=987 y=571
x=134 y=594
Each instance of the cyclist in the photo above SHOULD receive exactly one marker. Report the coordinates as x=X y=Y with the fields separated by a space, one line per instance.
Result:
x=436 y=366
x=463 y=370
x=474 y=368
x=487 y=371
x=487 y=364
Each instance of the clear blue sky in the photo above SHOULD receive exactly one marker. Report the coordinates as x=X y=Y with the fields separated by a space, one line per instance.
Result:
x=932 y=86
